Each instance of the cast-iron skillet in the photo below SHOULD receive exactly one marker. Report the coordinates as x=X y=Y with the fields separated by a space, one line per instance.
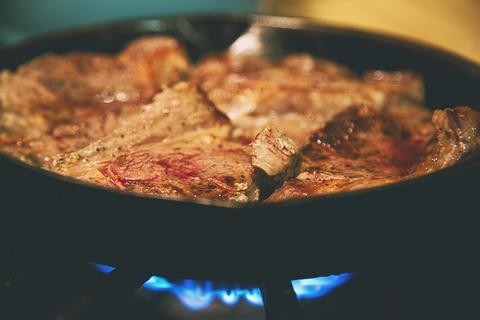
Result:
x=430 y=218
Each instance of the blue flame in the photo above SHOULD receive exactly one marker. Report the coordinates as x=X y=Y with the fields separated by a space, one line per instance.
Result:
x=198 y=295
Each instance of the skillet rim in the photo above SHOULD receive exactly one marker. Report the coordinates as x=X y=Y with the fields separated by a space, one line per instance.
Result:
x=270 y=21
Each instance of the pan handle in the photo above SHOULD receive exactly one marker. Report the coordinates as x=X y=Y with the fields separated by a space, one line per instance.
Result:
x=102 y=302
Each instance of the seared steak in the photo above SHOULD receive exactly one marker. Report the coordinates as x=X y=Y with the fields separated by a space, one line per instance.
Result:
x=362 y=148
x=174 y=111
x=198 y=164
x=235 y=128
x=179 y=145
x=457 y=136
x=299 y=89
x=73 y=98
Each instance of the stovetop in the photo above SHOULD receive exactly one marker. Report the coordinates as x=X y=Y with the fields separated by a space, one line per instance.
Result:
x=38 y=284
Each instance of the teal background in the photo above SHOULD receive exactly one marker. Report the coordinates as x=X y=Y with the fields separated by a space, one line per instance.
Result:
x=20 y=19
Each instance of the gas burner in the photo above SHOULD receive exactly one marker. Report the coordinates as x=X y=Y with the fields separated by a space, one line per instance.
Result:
x=44 y=285
x=199 y=295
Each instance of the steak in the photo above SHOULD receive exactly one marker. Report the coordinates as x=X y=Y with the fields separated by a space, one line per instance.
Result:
x=201 y=164
x=300 y=89
x=174 y=111
x=180 y=145
x=61 y=102
x=457 y=136
x=232 y=128
x=362 y=147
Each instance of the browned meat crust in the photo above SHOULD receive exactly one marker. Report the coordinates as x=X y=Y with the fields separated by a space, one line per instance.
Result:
x=362 y=148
